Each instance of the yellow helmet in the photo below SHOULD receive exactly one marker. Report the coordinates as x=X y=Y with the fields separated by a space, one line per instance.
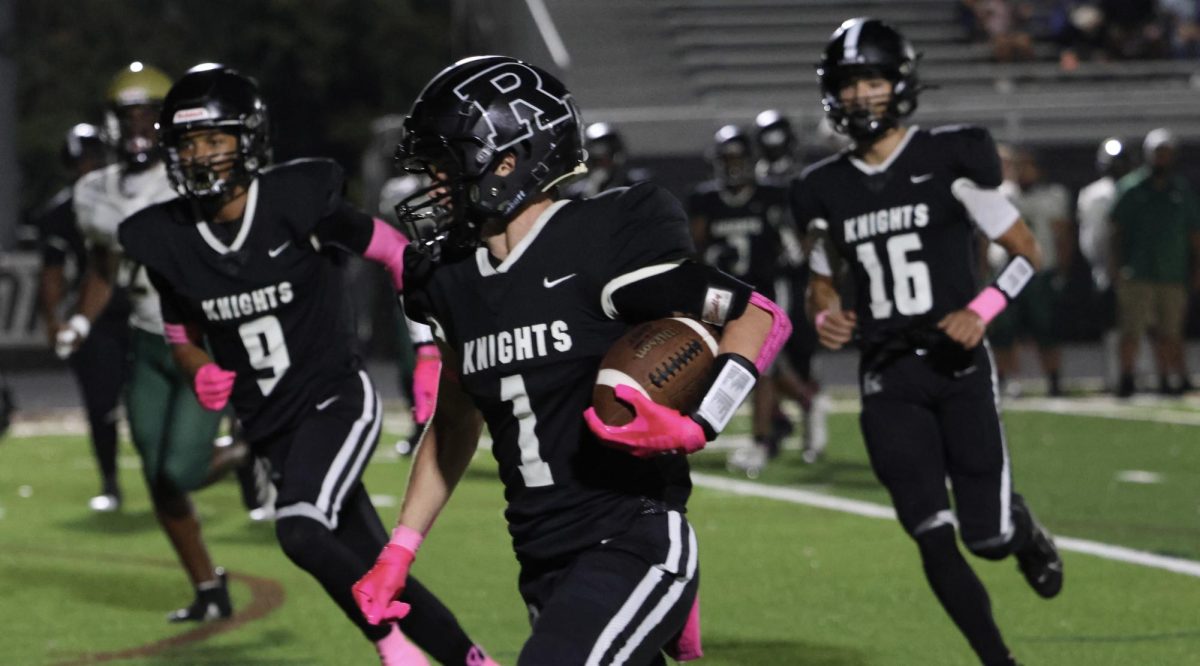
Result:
x=138 y=84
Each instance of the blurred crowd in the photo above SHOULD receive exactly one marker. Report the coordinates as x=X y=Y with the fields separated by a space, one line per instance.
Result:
x=1077 y=31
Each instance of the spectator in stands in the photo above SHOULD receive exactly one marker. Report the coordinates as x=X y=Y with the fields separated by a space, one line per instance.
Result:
x=1094 y=208
x=1005 y=24
x=1182 y=20
x=1078 y=28
x=1133 y=29
x=1156 y=222
x=1045 y=207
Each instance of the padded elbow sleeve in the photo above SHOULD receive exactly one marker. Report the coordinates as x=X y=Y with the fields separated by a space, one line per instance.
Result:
x=688 y=289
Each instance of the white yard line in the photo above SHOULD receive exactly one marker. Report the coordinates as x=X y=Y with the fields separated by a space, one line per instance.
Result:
x=873 y=510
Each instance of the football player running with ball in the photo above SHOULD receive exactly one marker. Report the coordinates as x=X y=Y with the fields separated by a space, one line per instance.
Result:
x=526 y=293
x=903 y=206
x=247 y=263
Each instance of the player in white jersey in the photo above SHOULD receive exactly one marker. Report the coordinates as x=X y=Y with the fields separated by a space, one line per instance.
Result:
x=171 y=431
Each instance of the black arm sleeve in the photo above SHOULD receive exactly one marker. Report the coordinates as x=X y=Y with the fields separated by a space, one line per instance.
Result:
x=346 y=228
x=173 y=310
x=689 y=289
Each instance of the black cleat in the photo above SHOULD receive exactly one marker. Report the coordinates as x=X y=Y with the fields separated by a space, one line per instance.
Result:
x=1039 y=560
x=212 y=603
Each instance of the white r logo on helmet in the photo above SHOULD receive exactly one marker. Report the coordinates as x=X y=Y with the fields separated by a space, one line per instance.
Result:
x=529 y=104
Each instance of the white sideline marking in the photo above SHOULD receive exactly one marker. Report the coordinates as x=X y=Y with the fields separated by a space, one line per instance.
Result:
x=1139 y=476
x=873 y=510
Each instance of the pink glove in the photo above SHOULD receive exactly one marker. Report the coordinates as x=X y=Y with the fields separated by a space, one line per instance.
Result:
x=425 y=382
x=376 y=592
x=213 y=386
x=654 y=430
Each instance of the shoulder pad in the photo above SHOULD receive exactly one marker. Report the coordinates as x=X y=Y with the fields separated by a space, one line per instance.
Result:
x=142 y=231
x=965 y=133
x=809 y=171
x=314 y=170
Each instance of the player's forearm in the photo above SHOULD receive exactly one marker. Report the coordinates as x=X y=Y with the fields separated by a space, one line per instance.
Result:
x=1018 y=239
x=50 y=295
x=821 y=296
x=746 y=334
x=441 y=459
x=94 y=294
x=189 y=358
x=1064 y=245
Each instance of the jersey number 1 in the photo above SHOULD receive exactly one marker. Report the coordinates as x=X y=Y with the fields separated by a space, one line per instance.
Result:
x=911 y=288
x=267 y=351
x=534 y=471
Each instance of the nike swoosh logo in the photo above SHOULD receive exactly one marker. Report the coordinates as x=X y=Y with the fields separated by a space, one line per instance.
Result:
x=325 y=403
x=920 y=179
x=959 y=374
x=277 y=251
x=548 y=283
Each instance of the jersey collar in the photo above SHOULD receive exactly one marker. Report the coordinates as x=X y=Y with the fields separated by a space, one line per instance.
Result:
x=247 y=219
x=873 y=169
x=481 y=254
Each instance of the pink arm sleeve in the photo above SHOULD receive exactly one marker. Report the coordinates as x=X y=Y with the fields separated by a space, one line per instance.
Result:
x=387 y=247
x=781 y=328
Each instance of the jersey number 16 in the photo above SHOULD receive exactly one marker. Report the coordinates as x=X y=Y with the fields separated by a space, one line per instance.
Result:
x=911 y=288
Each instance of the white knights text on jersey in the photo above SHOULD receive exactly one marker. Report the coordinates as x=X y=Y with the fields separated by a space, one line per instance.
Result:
x=519 y=344
x=886 y=220
x=249 y=303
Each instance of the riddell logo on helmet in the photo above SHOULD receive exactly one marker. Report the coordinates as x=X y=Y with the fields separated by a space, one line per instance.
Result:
x=190 y=115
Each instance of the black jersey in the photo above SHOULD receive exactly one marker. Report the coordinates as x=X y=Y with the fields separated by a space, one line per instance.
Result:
x=61 y=243
x=269 y=300
x=743 y=234
x=59 y=239
x=902 y=226
x=530 y=332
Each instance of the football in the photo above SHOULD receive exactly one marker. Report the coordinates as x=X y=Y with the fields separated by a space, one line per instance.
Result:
x=668 y=360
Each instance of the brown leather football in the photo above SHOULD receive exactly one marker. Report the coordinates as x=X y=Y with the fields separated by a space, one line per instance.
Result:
x=667 y=359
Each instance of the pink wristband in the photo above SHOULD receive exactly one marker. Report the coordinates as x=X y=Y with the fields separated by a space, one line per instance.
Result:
x=989 y=303
x=819 y=320
x=176 y=334
x=407 y=538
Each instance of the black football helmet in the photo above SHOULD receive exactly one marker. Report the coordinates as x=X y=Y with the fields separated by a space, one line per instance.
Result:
x=732 y=157
x=868 y=47
x=462 y=125
x=83 y=140
x=774 y=135
x=604 y=145
x=213 y=96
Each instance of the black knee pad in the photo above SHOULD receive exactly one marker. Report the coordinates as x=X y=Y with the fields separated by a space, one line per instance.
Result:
x=301 y=540
x=937 y=544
